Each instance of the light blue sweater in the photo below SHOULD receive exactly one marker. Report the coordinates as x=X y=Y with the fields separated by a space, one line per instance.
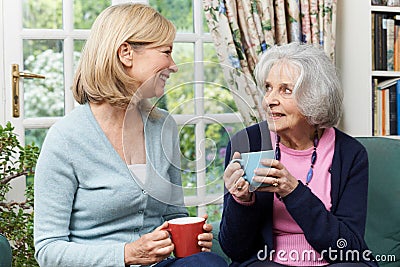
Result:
x=88 y=204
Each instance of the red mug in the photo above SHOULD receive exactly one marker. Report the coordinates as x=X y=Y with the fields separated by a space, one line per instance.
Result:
x=184 y=233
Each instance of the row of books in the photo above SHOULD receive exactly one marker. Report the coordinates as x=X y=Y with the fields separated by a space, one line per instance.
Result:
x=385 y=2
x=386 y=106
x=386 y=41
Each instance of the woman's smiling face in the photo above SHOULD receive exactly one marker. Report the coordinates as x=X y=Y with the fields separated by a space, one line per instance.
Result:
x=151 y=67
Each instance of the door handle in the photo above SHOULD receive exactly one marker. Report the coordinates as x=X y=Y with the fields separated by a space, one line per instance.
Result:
x=15 y=76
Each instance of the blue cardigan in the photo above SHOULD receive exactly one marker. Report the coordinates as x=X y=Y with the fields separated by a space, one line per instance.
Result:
x=88 y=204
x=245 y=230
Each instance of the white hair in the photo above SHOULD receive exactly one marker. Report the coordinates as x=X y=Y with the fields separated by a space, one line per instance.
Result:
x=318 y=91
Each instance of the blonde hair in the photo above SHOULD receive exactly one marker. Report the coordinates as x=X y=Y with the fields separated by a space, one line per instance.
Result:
x=100 y=76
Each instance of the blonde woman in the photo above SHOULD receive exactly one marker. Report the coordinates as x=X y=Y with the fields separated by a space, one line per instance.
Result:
x=108 y=178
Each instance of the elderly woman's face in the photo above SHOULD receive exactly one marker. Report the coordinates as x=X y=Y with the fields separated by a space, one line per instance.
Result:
x=283 y=114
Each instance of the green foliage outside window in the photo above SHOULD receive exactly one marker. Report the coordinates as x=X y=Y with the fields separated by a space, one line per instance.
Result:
x=47 y=14
x=16 y=221
x=86 y=11
x=180 y=12
x=39 y=14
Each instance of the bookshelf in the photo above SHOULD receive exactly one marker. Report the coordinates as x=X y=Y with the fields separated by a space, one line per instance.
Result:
x=355 y=65
x=385 y=69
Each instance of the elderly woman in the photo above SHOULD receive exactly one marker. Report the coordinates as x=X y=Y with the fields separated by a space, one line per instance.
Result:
x=311 y=210
x=108 y=179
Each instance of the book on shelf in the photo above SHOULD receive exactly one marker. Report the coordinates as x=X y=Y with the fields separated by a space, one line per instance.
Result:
x=385 y=2
x=385 y=112
x=386 y=106
x=393 y=3
x=393 y=110
x=373 y=40
x=384 y=42
x=378 y=56
x=381 y=113
x=398 y=105
x=387 y=83
x=380 y=42
x=379 y=2
x=390 y=44
x=375 y=108
x=396 y=46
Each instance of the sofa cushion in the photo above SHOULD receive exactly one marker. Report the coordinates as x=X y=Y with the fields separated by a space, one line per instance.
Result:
x=216 y=248
x=383 y=217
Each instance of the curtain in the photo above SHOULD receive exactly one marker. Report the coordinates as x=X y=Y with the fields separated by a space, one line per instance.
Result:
x=243 y=29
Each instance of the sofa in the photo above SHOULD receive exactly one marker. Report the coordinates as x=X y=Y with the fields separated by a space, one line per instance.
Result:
x=382 y=232
x=383 y=216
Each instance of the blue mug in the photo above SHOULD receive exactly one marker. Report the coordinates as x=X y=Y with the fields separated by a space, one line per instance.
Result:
x=251 y=161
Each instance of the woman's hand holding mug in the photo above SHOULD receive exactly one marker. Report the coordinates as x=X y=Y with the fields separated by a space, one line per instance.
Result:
x=205 y=239
x=149 y=248
x=234 y=181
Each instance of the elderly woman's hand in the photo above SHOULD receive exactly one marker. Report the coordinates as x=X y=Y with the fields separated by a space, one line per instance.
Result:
x=234 y=181
x=205 y=239
x=281 y=181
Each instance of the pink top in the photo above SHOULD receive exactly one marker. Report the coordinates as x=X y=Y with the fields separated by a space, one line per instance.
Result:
x=291 y=246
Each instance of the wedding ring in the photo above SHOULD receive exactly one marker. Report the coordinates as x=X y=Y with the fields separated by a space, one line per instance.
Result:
x=275 y=184
x=238 y=187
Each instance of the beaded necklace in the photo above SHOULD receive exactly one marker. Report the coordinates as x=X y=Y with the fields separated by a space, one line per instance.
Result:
x=313 y=156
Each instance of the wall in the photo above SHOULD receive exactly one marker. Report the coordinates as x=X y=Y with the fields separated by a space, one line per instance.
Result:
x=353 y=60
x=2 y=77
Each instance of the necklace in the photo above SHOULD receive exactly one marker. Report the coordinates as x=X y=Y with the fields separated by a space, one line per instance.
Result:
x=313 y=156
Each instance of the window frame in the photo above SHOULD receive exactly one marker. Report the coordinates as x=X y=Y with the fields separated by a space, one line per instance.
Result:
x=200 y=119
